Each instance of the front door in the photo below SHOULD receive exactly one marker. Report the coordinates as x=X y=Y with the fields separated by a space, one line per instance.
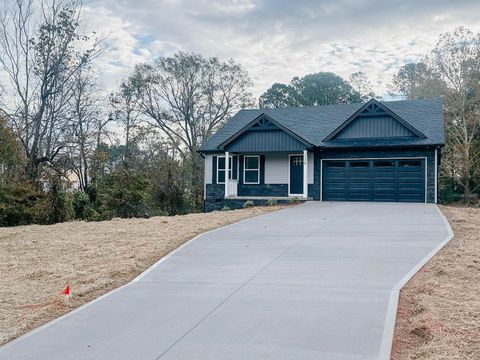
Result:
x=296 y=175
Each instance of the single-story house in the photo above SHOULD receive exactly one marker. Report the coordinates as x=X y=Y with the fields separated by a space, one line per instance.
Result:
x=374 y=151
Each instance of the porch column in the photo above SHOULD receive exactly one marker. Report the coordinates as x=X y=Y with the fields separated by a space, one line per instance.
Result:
x=305 y=174
x=227 y=166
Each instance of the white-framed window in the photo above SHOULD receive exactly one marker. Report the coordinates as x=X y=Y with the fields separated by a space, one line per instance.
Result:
x=251 y=169
x=221 y=169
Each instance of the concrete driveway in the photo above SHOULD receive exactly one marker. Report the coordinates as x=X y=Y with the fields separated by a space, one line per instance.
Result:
x=317 y=281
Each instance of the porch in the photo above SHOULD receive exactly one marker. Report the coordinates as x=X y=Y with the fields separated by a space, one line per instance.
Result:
x=265 y=176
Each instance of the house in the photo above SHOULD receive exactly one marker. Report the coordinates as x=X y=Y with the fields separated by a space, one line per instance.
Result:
x=374 y=151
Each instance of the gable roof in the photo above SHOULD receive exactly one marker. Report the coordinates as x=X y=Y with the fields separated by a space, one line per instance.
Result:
x=379 y=106
x=255 y=121
x=315 y=123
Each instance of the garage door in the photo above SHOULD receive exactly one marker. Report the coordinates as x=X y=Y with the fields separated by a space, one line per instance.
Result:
x=374 y=180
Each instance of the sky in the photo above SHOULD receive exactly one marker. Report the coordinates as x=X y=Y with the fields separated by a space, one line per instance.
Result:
x=275 y=40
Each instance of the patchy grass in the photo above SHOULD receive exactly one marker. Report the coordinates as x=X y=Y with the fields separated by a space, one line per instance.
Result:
x=439 y=310
x=37 y=262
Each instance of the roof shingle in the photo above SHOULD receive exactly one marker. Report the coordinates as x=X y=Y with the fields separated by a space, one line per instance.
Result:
x=315 y=123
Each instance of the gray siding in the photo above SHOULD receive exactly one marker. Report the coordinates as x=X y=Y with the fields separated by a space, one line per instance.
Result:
x=265 y=141
x=374 y=127
x=208 y=169
x=311 y=167
x=276 y=169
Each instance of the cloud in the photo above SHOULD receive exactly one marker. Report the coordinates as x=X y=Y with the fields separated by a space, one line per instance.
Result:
x=276 y=40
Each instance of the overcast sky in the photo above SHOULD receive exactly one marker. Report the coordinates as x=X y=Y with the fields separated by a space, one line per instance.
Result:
x=277 y=40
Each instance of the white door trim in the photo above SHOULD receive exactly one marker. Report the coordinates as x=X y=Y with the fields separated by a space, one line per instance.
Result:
x=289 y=194
x=373 y=158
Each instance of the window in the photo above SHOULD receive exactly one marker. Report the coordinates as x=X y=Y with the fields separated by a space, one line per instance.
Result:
x=384 y=163
x=251 y=169
x=221 y=169
x=410 y=163
x=359 y=164
x=297 y=160
x=336 y=164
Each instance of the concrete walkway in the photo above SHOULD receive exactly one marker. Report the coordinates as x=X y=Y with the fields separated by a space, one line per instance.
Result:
x=310 y=282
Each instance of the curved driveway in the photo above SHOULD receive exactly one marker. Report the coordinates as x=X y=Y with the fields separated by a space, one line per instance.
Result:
x=310 y=282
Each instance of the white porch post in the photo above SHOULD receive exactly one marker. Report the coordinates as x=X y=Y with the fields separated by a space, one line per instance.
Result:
x=305 y=174
x=227 y=166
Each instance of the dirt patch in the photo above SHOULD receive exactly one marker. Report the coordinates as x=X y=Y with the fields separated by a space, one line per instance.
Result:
x=439 y=310
x=37 y=262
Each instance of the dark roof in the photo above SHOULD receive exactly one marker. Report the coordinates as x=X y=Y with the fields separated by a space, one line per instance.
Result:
x=315 y=123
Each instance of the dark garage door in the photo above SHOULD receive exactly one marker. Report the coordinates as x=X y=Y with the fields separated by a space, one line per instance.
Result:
x=374 y=180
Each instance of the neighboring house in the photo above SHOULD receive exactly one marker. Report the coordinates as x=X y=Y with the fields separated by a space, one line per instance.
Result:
x=374 y=151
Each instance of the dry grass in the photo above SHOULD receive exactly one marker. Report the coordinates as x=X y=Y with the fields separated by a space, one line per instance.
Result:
x=439 y=310
x=37 y=262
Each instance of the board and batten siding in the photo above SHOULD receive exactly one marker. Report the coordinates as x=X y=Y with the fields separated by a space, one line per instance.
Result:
x=276 y=168
x=265 y=141
x=374 y=127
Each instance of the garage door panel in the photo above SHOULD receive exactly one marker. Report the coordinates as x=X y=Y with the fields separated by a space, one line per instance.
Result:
x=383 y=174
x=360 y=196
x=379 y=187
x=356 y=186
x=374 y=180
x=384 y=197
x=410 y=185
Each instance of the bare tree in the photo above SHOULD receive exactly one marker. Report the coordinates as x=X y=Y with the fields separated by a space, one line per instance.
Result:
x=360 y=83
x=86 y=114
x=457 y=58
x=41 y=50
x=126 y=111
x=188 y=97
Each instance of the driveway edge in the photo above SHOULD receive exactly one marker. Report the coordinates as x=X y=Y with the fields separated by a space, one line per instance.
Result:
x=133 y=281
x=388 y=330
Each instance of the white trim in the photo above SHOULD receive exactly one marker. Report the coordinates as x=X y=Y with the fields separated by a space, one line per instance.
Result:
x=228 y=161
x=305 y=174
x=289 y=164
x=223 y=169
x=258 y=169
x=390 y=319
x=436 y=175
x=375 y=158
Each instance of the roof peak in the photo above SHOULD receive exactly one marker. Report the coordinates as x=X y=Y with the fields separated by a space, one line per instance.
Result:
x=385 y=102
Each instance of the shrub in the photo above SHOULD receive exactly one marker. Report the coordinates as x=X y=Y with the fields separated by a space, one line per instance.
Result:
x=271 y=202
x=225 y=208
x=248 y=204
x=61 y=207
x=448 y=194
x=125 y=194
x=81 y=205
x=22 y=204
x=294 y=200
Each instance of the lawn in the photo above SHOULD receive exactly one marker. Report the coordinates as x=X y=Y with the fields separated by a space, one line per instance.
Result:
x=439 y=309
x=37 y=262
